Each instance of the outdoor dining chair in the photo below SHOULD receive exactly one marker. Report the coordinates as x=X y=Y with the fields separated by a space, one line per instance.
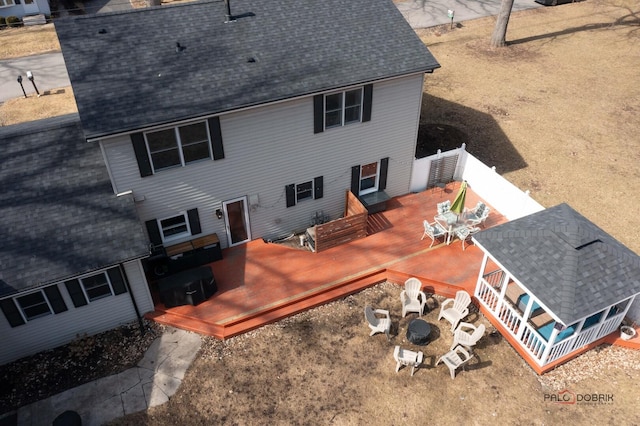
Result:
x=477 y=215
x=463 y=233
x=434 y=231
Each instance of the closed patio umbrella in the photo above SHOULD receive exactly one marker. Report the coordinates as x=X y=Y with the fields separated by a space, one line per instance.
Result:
x=458 y=203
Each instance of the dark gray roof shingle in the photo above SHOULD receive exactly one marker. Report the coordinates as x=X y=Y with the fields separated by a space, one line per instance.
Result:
x=565 y=260
x=60 y=216
x=127 y=72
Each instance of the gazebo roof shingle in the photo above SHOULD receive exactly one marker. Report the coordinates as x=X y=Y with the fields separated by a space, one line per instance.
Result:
x=571 y=265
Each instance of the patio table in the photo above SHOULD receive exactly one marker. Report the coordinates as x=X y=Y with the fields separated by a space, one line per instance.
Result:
x=449 y=221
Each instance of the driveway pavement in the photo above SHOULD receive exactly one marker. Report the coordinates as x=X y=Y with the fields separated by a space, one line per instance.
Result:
x=49 y=72
x=429 y=13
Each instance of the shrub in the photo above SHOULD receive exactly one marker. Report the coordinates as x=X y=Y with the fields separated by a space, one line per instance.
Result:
x=3 y=22
x=13 y=21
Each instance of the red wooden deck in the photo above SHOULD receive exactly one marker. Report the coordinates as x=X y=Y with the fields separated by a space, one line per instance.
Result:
x=259 y=283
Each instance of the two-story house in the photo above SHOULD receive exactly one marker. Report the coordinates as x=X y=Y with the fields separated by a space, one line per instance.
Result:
x=243 y=119
x=246 y=118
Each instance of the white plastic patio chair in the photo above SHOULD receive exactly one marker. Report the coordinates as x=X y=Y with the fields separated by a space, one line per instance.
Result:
x=412 y=297
x=455 y=358
x=434 y=231
x=467 y=339
x=378 y=320
x=407 y=357
x=477 y=215
x=457 y=311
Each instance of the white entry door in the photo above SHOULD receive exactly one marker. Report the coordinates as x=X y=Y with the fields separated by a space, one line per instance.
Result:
x=30 y=7
x=236 y=216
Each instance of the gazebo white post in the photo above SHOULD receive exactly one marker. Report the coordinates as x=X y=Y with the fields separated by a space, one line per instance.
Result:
x=547 y=350
x=481 y=273
x=525 y=317
x=503 y=290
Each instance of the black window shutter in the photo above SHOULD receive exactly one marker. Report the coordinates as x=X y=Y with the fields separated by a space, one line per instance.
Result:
x=75 y=291
x=384 y=167
x=55 y=298
x=117 y=281
x=318 y=113
x=318 y=190
x=10 y=311
x=154 y=232
x=355 y=180
x=142 y=156
x=366 y=102
x=290 y=191
x=194 y=221
x=216 y=138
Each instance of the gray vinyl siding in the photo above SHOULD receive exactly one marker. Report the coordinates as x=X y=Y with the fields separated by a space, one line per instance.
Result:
x=55 y=330
x=269 y=147
x=139 y=287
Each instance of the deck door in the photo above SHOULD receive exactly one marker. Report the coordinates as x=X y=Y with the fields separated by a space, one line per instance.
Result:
x=30 y=7
x=236 y=216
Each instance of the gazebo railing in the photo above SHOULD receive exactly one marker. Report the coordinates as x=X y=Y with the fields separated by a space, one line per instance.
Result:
x=488 y=293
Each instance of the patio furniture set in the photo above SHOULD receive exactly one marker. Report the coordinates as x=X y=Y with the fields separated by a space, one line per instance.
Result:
x=448 y=224
x=465 y=335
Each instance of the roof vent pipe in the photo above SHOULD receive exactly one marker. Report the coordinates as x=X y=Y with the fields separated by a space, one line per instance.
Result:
x=227 y=16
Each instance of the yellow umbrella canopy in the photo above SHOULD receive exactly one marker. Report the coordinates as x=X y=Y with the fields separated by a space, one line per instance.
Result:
x=458 y=203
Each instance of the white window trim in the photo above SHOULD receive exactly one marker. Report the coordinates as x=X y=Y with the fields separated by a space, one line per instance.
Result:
x=4 y=3
x=84 y=290
x=343 y=107
x=375 y=187
x=177 y=236
x=21 y=310
x=176 y=132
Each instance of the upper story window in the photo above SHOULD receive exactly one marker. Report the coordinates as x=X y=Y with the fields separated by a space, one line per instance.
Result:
x=7 y=3
x=178 y=146
x=341 y=108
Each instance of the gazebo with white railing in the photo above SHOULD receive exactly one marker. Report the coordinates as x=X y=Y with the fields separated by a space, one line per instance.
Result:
x=554 y=283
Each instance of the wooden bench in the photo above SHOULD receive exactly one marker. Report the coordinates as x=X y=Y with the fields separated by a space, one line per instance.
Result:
x=197 y=243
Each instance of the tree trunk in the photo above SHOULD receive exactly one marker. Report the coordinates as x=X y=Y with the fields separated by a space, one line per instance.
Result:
x=498 y=38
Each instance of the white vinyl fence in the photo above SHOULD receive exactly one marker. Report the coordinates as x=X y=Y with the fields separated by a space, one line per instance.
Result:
x=498 y=192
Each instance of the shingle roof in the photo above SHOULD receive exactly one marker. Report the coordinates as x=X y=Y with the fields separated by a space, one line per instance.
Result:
x=128 y=72
x=570 y=264
x=60 y=216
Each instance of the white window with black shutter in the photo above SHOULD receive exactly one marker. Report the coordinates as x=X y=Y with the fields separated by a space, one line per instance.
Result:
x=166 y=230
x=310 y=190
x=341 y=108
x=370 y=177
x=96 y=286
x=33 y=305
x=177 y=146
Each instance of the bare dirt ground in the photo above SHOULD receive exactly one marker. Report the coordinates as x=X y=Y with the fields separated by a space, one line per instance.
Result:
x=557 y=113
x=321 y=367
